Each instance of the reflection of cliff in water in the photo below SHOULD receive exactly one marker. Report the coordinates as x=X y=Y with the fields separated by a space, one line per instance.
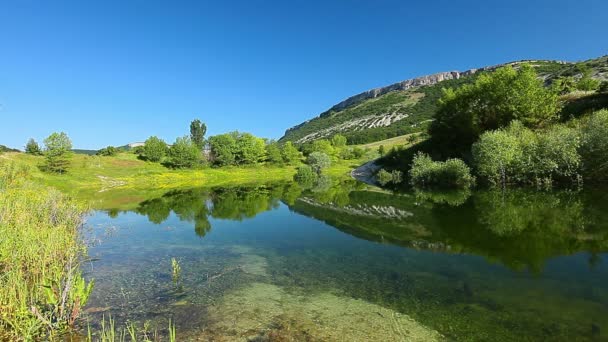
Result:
x=519 y=228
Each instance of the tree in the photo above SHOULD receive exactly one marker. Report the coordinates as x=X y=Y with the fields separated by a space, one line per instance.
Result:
x=492 y=102
x=338 y=140
x=223 y=148
x=603 y=87
x=564 y=85
x=305 y=175
x=273 y=151
x=197 y=133
x=318 y=161
x=154 y=149
x=32 y=147
x=184 y=153
x=249 y=149
x=107 y=151
x=290 y=153
x=57 y=152
x=381 y=150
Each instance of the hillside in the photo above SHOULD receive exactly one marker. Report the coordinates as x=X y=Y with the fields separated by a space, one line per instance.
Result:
x=408 y=106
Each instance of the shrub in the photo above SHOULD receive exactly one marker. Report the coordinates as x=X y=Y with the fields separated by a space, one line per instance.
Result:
x=594 y=146
x=318 y=161
x=184 y=153
x=338 y=140
x=32 y=147
x=452 y=173
x=384 y=177
x=290 y=153
x=603 y=88
x=358 y=152
x=223 y=148
x=107 y=151
x=154 y=149
x=305 y=175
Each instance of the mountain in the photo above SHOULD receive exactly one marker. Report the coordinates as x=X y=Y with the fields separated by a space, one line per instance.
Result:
x=408 y=106
x=7 y=149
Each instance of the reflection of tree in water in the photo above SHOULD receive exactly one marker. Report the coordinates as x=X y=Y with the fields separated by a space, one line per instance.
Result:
x=197 y=205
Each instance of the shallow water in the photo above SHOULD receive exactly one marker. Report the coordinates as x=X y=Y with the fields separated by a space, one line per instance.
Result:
x=349 y=263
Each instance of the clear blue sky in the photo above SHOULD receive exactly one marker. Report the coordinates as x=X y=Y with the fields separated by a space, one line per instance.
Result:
x=113 y=72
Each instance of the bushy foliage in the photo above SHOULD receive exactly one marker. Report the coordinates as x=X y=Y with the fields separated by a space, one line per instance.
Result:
x=33 y=148
x=305 y=175
x=492 y=102
x=273 y=153
x=290 y=153
x=223 y=148
x=381 y=150
x=57 y=152
x=586 y=83
x=318 y=161
x=594 y=146
x=452 y=173
x=603 y=88
x=184 y=153
x=249 y=149
x=154 y=149
x=107 y=151
x=519 y=155
x=338 y=140
x=564 y=85
x=384 y=177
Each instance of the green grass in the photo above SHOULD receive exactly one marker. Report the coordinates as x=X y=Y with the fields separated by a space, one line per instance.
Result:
x=41 y=287
x=122 y=181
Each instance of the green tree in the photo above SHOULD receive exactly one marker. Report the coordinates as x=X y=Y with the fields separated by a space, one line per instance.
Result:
x=305 y=175
x=32 y=147
x=594 y=147
x=323 y=146
x=223 y=149
x=603 y=87
x=493 y=101
x=273 y=151
x=338 y=140
x=184 y=153
x=154 y=149
x=318 y=161
x=290 y=153
x=197 y=133
x=384 y=177
x=57 y=152
x=564 y=85
x=249 y=149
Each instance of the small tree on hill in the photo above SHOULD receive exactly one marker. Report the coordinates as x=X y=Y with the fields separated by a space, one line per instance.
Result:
x=154 y=149
x=197 y=133
x=184 y=153
x=318 y=161
x=290 y=153
x=338 y=140
x=57 y=152
x=32 y=147
x=381 y=150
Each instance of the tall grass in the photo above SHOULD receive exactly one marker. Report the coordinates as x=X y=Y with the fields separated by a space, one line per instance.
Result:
x=42 y=290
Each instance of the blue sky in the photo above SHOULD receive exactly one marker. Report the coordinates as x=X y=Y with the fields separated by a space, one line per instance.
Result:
x=113 y=72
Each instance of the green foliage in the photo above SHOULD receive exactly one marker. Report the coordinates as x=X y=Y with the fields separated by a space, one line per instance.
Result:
x=33 y=148
x=384 y=177
x=492 y=102
x=57 y=152
x=107 y=151
x=249 y=149
x=603 y=88
x=323 y=146
x=223 y=149
x=564 y=85
x=381 y=150
x=290 y=153
x=318 y=161
x=184 y=153
x=305 y=175
x=519 y=155
x=594 y=147
x=338 y=140
x=452 y=173
x=358 y=152
x=197 y=133
x=273 y=153
x=586 y=83
x=154 y=149
x=42 y=291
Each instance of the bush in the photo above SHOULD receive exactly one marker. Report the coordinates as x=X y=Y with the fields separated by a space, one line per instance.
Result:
x=318 y=161
x=384 y=177
x=184 y=153
x=519 y=155
x=603 y=87
x=107 y=151
x=305 y=175
x=452 y=173
x=594 y=147
x=32 y=147
x=154 y=149
x=290 y=154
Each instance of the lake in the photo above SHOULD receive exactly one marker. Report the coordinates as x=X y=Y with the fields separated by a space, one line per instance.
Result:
x=343 y=261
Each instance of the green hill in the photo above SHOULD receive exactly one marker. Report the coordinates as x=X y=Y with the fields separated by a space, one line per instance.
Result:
x=408 y=106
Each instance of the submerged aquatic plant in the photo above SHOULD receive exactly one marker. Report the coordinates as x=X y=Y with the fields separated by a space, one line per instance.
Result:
x=176 y=270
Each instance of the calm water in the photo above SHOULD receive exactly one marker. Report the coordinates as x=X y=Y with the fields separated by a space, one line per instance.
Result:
x=343 y=262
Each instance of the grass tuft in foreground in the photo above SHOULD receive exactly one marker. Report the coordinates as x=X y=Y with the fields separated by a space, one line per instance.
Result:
x=42 y=290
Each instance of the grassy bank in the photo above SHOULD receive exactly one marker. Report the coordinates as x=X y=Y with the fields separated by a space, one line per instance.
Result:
x=123 y=181
x=41 y=287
